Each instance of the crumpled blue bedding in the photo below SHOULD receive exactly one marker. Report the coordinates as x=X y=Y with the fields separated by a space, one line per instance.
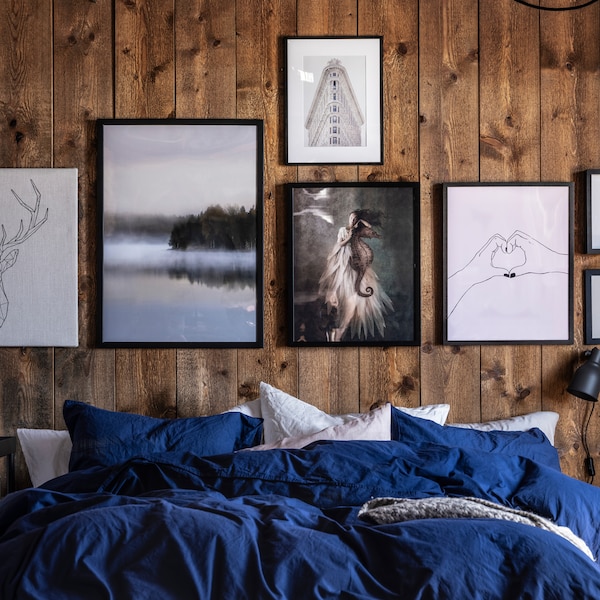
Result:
x=284 y=524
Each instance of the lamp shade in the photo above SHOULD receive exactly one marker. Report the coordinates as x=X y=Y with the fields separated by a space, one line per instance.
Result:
x=586 y=381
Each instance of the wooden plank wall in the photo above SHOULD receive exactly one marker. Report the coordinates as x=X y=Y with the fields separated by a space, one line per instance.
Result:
x=474 y=90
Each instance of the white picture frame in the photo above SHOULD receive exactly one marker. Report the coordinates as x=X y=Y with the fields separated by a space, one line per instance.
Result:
x=353 y=65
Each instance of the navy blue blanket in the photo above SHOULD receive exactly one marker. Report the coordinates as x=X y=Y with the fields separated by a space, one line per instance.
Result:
x=283 y=524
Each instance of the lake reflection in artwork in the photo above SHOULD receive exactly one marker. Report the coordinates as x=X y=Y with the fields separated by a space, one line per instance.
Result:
x=167 y=295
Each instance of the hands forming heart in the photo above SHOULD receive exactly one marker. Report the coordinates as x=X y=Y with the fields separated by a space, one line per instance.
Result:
x=519 y=254
x=507 y=255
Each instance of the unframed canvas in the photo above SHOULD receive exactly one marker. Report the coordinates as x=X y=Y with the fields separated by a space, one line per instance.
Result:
x=38 y=257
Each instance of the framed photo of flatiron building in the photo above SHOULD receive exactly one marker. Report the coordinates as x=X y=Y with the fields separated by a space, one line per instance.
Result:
x=334 y=100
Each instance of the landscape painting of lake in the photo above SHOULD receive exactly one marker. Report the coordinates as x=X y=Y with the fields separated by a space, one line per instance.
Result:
x=181 y=236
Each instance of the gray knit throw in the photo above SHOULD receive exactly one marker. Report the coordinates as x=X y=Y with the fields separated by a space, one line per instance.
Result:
x=397 y=510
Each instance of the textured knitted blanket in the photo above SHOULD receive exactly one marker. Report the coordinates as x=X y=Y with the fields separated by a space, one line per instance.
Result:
x=396 y=510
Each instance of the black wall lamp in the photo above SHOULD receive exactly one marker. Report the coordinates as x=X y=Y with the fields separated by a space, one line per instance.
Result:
x=571 y=7
x=586 y=385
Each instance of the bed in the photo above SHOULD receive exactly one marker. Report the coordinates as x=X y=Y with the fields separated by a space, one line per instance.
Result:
x=385 y=504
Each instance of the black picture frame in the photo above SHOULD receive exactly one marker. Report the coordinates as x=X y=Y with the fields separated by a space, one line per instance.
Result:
x=508 y=269
x=592 y=306
x=180 y=253
x=329 y=303
x=334 y=100
x=592 y=193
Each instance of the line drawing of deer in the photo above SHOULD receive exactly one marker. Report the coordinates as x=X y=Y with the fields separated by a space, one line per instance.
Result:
x=8 y=250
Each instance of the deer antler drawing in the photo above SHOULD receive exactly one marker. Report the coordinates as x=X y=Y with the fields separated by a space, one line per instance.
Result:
x=8 y=252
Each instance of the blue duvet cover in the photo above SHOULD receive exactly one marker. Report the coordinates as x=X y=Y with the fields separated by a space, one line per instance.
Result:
x=284 y=524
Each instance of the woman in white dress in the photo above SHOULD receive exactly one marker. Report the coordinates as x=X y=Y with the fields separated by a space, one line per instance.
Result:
x=349 y=284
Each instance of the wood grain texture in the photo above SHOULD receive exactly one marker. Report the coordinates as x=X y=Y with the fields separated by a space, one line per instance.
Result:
x=449 y=151
x=569 y=141
x=474 y=90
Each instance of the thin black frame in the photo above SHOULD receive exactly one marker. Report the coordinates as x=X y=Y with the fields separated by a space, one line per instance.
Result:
x=591 y=315
x=319 y=49
x=243 y=149
x=514 y=224
x=318 y=214
x=592 y=208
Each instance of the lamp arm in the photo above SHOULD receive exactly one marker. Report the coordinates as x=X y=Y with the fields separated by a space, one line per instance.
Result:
x=525 y=3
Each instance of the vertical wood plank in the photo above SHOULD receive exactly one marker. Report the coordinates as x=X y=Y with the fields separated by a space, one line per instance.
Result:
x=205 y=63
x=510 y=151
x=570 y=91
x=260 y=95
x=393 y=374
x=83 y=64
x=145 y=380
x=329 y=377
x=26 y=374
x=144 y=58
x=449 y=151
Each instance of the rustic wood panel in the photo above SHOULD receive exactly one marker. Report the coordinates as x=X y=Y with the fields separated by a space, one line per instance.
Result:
x=473 y=90
x=145 y=380
x=569 y=109
x=27 y=374
x=260 y=95
x=205 y=64
x=393 y=374
x=449 y=145
x=83 y=92
x=331 y=382
x=509 y=151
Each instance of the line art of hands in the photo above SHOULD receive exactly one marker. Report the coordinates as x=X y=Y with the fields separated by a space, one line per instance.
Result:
x=519 y=254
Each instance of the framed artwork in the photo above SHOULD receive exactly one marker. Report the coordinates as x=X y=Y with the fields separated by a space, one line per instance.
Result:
x=592 y=306
x=508 y=272
x=354 y=264
x=38 y=257
x=334 y=100
x=181 y=232
x=592 y=179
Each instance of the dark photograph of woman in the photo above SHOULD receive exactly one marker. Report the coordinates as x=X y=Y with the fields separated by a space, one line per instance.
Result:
x=355 y=264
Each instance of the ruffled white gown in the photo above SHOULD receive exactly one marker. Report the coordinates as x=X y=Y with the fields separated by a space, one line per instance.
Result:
x=361 y=314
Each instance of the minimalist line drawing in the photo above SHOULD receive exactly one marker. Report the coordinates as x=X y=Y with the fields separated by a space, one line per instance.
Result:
x=8 y=251
x=508 y=275
x=518 y=255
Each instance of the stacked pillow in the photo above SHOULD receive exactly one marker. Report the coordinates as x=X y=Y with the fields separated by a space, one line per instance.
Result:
x=274 y=420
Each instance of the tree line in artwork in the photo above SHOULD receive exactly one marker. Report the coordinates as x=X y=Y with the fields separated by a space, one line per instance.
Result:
x=217 y=228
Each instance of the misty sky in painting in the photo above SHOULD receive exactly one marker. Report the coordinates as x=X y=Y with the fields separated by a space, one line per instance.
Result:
x=178 y=169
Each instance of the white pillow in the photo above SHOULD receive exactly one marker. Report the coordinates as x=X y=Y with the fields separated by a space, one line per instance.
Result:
x=46 y=453
x=545 y=420
x=374 y=425
x=438 y=413
x=287 y=416
x=250 y=408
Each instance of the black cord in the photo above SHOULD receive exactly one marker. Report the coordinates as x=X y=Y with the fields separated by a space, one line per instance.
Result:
x=589 y=461
x=525 y=3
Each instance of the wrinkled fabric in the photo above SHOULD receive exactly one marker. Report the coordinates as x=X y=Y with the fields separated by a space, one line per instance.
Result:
x=283 y=524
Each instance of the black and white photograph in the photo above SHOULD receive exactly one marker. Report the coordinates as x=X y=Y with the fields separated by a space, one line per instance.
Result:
x=181 y=232
x=509 y=263
x=334 y=100
x=354 y=264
